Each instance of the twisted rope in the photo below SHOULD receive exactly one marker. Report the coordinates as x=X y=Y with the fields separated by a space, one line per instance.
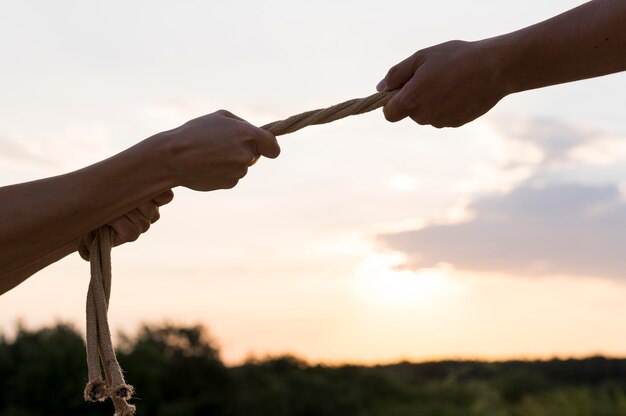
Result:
x=330 y=114
x=95 y=247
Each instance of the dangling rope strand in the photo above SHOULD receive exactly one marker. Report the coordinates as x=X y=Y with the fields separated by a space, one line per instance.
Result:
x=95 y=247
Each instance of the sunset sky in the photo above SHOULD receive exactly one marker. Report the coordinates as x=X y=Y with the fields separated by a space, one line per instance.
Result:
x=365 y=241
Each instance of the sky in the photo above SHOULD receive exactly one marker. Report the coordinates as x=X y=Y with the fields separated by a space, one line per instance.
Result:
x=365 y=241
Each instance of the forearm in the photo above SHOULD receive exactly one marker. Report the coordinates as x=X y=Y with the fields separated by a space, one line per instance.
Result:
x=585 y=42
x=9 y=280
x=41 y=220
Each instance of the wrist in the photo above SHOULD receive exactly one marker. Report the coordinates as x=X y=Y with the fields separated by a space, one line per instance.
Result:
x=501 y=54
x=163 y=155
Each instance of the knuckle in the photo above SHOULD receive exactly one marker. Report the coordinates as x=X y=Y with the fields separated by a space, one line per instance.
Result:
x=130 y=235
x=165 y=198
x=421 y=118
x=418 y=56
x=241 y=172
x=230 y=184
x=394 y=72
x=150 y=211
x=455 y=42
x=188 y=124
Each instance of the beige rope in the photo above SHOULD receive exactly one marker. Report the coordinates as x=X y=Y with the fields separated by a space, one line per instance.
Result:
x=330 y=114
x=95 y=247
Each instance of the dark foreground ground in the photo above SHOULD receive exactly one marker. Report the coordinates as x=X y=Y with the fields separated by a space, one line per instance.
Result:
x=177 y=371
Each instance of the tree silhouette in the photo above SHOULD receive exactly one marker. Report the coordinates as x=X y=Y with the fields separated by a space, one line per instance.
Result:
x=177 y=370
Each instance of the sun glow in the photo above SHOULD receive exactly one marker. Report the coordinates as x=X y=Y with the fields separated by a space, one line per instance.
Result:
x=380 y=279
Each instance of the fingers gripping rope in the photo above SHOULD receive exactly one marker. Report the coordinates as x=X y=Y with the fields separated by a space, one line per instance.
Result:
x=95 y=247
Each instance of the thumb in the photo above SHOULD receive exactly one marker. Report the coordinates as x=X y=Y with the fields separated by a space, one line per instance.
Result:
x=400 y=74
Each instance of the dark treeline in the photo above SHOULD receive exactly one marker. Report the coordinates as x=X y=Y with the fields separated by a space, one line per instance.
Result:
x=178 y=371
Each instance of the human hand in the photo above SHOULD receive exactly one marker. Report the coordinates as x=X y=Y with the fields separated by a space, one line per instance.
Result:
x=446 y=85
x=214 y=151
x=130 y=226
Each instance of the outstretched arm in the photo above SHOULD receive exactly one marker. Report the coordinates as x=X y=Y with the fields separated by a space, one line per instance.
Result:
x=453 y=83
x=41 y=221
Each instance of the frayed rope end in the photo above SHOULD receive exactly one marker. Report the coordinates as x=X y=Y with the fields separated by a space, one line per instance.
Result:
x=95 y=391
x=124 y=392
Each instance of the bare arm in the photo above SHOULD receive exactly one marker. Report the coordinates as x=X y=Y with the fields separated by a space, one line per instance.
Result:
x=453 y=83
x=585 y=42
x=13 y=278
x=41 y=221
x=128 y=227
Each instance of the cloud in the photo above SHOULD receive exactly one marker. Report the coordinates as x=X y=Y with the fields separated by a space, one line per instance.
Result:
x=549 y=223
x=561 y=229
x=561 y=143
